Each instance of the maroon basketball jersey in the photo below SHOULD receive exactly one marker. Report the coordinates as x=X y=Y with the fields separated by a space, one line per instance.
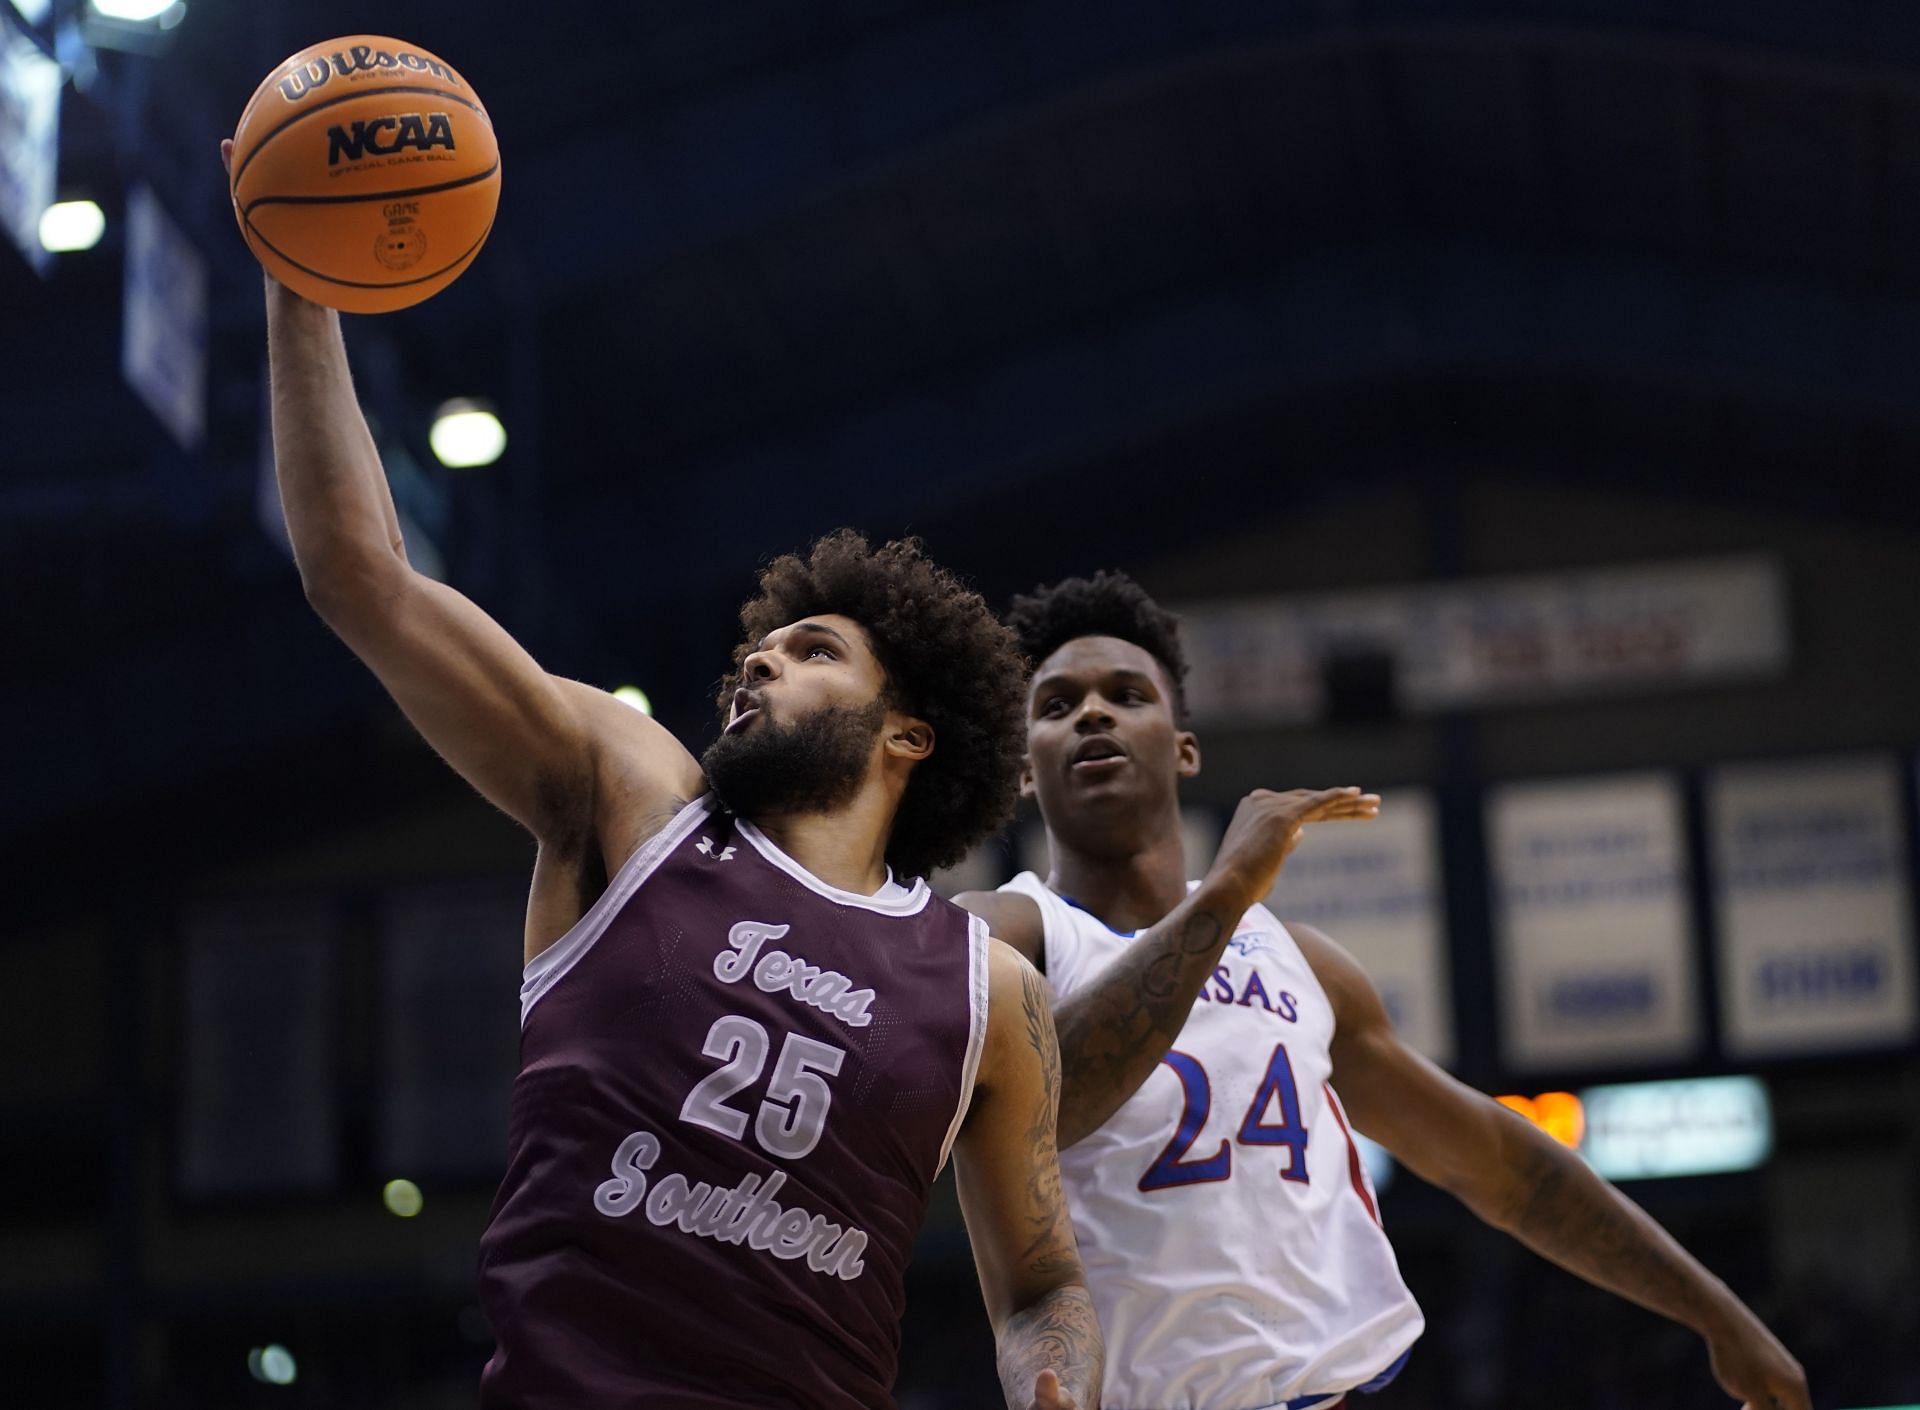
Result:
x=737 y=1084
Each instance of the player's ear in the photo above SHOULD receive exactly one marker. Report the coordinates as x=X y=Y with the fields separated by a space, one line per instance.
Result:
x=908 y=738
x=1186 y=752
x=1026 y=775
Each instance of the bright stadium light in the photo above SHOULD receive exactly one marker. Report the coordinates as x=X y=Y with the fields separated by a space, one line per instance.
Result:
x=134 y=11
x=70 y=226
x=273 y=1364
x=466 y=434
x=403 y=1198
x=634 y=696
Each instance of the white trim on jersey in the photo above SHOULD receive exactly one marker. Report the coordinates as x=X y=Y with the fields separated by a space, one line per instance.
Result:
x=978 y=946
x=911 y=902
x=550 y=966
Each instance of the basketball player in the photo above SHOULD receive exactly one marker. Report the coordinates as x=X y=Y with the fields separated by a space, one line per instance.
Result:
x=750 y=1036
x=1228 y=1227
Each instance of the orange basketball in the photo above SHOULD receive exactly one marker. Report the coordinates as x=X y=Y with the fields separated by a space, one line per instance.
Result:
x=365 y=174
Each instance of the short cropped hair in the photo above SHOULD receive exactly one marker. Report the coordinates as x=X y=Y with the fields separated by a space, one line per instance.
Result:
x=948 y=660
x=1107 y=604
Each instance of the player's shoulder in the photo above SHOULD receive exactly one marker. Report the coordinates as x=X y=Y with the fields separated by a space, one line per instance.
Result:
x=1019 y=1014
x=1013 y=918
x=1356 y=1003
x=632 y=752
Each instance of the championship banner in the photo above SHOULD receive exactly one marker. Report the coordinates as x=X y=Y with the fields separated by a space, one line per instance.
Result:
x=1375 y=888
x=450 y=962
x=1815 y=912
x=258 y=1109
x=29 y=140
x=1497 y=641
x=1591 y=916
x=163 y=342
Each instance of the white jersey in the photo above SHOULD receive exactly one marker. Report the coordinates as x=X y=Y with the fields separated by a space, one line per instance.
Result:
x=1231 y=1237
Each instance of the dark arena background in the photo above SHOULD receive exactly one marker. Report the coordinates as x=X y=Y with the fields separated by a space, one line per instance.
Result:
x=1521 y=404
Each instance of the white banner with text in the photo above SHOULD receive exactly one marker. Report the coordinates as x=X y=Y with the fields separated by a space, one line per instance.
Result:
x=1595 y=939
x=1494 y=641
x=1375 y=888
x=1814 y=908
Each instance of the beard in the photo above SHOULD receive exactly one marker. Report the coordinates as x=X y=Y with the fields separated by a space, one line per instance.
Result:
x=814 y=765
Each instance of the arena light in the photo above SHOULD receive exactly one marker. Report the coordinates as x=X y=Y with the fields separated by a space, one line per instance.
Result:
x=1559 y=1114
x=466 y=434
x=136 y=11
x=402 y=1198
x=67 y=227
x=634 y=696
x=273 y=1364
x=1702 y=1126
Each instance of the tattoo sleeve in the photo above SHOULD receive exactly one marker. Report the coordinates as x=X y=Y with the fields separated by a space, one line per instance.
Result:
x=1114 y=1032
x=1569 y=1215
x=1057 y=1331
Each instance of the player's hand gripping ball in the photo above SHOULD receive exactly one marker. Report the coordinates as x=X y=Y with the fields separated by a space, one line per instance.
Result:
x=365 y=174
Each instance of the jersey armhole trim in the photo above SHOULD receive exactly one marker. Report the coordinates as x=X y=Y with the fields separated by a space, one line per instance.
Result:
x=551 y=965
x=978 y=944
x=1051 y=909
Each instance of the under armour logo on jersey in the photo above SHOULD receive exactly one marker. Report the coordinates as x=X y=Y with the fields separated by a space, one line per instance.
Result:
x=725 y=854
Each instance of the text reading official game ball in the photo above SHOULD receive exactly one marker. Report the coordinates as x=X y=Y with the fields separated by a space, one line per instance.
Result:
x=365 y=174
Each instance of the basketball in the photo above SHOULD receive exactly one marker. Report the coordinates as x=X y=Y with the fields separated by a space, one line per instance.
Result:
x=365 y=174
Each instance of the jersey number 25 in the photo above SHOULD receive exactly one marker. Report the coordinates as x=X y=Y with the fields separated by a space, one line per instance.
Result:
x=793 y=1115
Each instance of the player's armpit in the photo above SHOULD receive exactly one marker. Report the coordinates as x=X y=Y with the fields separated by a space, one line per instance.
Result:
x=1008 y=1171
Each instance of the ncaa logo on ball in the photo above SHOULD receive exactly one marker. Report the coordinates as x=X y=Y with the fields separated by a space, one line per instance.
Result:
x=386 y=136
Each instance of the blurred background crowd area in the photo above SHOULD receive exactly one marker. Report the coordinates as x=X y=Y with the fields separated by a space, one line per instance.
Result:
x=1518 y=402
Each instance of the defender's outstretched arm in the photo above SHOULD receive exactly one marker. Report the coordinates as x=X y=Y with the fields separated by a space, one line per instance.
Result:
x=1114 y=1030
x=1520 y=1180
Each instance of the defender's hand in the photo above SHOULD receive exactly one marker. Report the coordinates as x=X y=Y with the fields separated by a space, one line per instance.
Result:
x=1049 y=1394
x=1755 y=1369
x=1266 y=827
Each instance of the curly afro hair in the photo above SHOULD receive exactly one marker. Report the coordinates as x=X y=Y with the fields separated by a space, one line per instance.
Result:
x=948 y=660
x=1107 y=604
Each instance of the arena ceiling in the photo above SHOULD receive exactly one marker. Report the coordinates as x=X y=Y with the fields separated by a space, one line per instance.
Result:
x=1047 y=283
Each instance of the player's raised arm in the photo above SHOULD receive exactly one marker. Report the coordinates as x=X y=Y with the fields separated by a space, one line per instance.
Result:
x=1115 y=1029
x=536 y=746
x=1520 y=1180
x=1008 y=1171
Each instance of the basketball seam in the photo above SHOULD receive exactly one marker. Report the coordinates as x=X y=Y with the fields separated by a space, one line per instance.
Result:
x=261 y=145
x=370 y=195
x=278 y=253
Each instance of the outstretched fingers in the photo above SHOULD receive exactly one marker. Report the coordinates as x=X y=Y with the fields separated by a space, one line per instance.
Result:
x=1341 y=805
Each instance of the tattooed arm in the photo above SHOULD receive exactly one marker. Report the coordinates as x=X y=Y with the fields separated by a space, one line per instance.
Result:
x=1522 y=1181
x=1008 y=1171
x=1115 y=1030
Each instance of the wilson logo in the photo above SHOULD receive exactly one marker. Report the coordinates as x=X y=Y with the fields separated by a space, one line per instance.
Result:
x=383 y=136
x=361 y=58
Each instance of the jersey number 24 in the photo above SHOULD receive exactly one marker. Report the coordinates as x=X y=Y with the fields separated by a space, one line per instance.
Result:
x=1176 y=1167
